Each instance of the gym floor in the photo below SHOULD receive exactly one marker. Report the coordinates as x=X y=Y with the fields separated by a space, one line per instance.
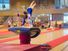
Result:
x=45 y=36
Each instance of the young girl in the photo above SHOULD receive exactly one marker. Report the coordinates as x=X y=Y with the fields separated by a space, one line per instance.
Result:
x=24 y=32
x=25 y=37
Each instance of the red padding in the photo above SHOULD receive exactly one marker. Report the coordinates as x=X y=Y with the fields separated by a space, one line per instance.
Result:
x=50 y=30
x=58 y=41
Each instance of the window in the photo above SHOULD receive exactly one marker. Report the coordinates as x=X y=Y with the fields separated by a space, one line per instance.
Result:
x=4 y=4
x=66 y=3
x=57 y=4
x=65 y=17
x=61 y=3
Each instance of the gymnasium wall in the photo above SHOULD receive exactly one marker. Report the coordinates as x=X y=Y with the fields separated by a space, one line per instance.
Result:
x=18 y=4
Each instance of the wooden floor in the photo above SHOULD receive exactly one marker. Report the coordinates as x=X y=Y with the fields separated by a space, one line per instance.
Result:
x=46 y=37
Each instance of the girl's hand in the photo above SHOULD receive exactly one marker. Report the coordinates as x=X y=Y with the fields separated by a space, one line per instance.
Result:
x=32 y=5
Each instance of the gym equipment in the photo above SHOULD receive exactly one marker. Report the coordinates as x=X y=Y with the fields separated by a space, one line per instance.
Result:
x=27 y=30
x=25 y=34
